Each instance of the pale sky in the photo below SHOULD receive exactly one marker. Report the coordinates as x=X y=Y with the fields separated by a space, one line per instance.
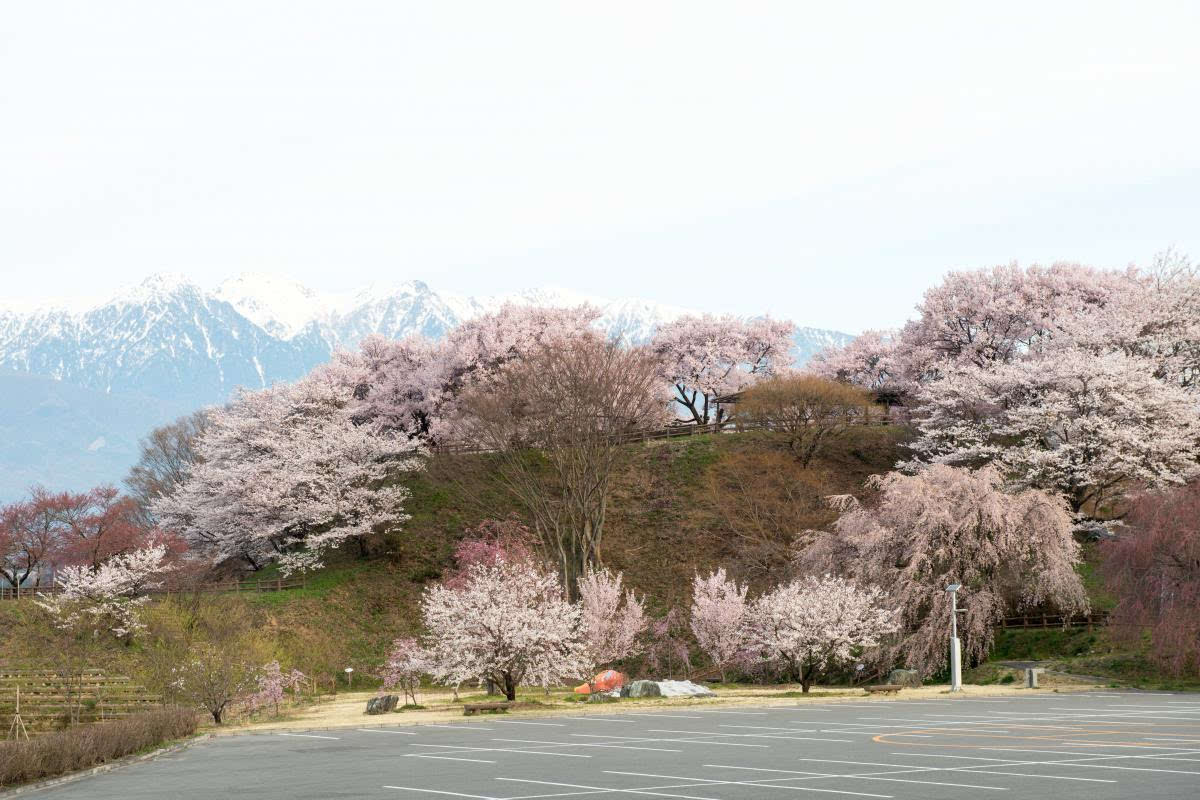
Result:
x=821 y=161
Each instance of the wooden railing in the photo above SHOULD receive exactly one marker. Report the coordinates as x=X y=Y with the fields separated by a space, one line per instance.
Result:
x=669 y=432
x=1096 y=619
x=248 y=587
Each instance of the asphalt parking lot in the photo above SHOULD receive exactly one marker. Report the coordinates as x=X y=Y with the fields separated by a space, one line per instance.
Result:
x=1103 y=744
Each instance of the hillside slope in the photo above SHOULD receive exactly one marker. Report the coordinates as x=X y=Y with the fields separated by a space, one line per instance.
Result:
x=678 y=506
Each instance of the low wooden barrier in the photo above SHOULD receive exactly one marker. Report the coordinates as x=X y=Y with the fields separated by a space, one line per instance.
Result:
x=470 y=709
x=1097 y=619
x=884 y=688
x=237 y=587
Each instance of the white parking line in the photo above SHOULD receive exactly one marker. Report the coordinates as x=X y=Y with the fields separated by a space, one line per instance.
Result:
x=1009 y=763
x=526 y=722
x=461 y=748
x=310 y=736
x=440 y=791
x=458 y=727
x=629 y=739
x=653 y=714
x=604 y=790
x=385 y=730
x=771 y=728
x=591 y=744
x=448 y=758
x=657 y=791
x=863 y=777
x=598 y=718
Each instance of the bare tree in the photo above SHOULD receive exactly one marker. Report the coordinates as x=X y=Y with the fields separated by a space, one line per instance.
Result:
x=808 y=411
x=555 y=422
x=167 y=455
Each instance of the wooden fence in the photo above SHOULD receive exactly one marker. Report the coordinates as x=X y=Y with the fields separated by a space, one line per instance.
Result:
x=1097 y=619
x=669 y=432
x=238 y=587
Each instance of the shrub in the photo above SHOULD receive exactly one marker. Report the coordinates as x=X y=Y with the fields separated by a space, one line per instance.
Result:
x=84 y=746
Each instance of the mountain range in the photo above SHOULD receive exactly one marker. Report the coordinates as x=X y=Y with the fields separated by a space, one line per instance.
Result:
x=79 y=387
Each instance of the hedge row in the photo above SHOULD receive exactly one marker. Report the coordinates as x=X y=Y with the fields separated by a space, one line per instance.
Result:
x=84 y=746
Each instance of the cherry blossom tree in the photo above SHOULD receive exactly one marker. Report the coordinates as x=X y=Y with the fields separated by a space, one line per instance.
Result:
x=813 y=624
x=1084 y=425
x=869 y=361
x=1156 y=317
x=407 y=661
x=999 y=315
x=32 y=535
x=97 y=524
x=107 y=598
x=1010 y=551
x=489 y=543
x=706 y=357
x=286 y=474
x=554 y=424
x=612 y=621
x=668 y=651
x=719 y=618
x=510 y=624
x=272 y=682
x=414 y=385
x=1153 y=569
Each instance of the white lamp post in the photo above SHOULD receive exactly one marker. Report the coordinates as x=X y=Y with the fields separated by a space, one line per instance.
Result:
x=955 y=644
x=349 y=677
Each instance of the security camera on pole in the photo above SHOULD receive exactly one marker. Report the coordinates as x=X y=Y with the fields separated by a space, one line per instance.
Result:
x=955 y=644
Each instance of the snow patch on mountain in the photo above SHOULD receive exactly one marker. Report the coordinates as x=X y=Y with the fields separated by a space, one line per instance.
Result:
x=178 y=346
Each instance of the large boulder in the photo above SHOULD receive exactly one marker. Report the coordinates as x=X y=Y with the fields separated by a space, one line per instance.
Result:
x=684 y=689
x=644 y=689
x=904 y=677
x=383 y=704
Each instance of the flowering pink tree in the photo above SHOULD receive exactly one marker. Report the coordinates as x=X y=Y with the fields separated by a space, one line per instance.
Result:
x=286 y=474
x=1083 y=425
x=32 y=536
x=107 y=598
x=945 y=525
x=1003 y=314
x=407 y=661
x=869 y=361
x=668 y=649
x=1153 y=569
x=509 y=624
x=813 y=624
x=719 y=617
x=489 y=543
x=272 y=682
x=612 y=621
x=413 y=386
x=706 y=357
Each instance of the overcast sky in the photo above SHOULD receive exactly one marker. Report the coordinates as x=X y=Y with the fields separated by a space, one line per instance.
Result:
x=821 y=161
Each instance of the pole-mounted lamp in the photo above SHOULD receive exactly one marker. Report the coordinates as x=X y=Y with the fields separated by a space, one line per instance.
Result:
x=955 y=644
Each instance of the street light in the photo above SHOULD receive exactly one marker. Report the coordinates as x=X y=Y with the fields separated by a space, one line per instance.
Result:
x=955 y=644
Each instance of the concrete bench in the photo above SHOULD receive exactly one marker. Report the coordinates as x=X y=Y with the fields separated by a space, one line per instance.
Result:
x=470 y=709
x=884 y=688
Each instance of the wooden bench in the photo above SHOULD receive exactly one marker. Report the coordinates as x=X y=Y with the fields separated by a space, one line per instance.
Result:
x=884 y=688
x=474 y=708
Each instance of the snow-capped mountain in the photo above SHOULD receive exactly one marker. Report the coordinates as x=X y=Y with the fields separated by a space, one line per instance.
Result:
x=169 y=346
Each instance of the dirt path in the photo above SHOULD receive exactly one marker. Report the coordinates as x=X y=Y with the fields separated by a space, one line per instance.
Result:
x=347 y=710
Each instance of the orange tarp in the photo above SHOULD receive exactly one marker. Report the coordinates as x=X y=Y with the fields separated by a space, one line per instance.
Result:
x=604 y=682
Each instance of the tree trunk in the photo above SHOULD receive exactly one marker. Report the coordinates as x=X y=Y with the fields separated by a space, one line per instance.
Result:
x=510 y=688
x=806 y=678
x=216 y=715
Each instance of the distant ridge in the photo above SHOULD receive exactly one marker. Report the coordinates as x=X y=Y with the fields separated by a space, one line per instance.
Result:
x=171 y=346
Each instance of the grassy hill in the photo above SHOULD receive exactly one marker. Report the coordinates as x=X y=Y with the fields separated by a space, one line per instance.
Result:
x=677 y=507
